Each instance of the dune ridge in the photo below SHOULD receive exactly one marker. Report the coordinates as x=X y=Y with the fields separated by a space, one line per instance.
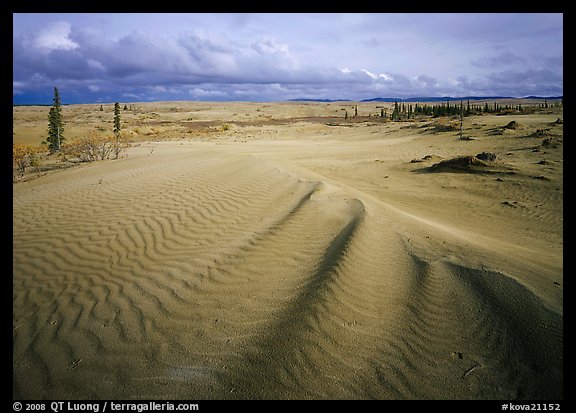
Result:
x=246 y=272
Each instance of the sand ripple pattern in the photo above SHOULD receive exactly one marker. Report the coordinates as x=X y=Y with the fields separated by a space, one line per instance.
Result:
x=199 y=275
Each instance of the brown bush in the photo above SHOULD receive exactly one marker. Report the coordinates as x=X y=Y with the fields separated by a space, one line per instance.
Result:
x=25 y=155
x=95 y=146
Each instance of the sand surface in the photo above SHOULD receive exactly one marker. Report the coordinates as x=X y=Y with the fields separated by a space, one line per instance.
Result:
x=296 y=260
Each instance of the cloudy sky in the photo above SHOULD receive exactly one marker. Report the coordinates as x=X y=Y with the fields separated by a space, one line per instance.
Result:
x=93 y=57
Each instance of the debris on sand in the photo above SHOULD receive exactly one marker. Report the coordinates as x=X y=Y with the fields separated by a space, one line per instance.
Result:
x=513 y=204
x=465 y=163
x=551 y=142
x=540 y=133
x=484 y=162
x=424 y=158
x=442 y=126
x=512 y=125
x=501 y=130
x=487 y=156
x=496 y=131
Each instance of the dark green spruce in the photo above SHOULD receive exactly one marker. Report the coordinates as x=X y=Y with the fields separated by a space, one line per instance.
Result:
x=117 y=121
x=55 y=137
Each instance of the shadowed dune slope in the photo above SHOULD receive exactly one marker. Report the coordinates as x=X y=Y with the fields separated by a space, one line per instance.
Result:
x=197 y=274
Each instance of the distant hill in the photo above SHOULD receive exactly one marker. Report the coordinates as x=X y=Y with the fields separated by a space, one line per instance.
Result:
x=451 y=99
x=545 y=97
x=428 y=99
x=319 y=100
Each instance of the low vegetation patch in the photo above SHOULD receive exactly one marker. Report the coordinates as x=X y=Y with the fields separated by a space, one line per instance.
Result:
x=464 y=162
x=487 y=156
x=482 y=162
x=512 y=125
x=95 y=146
x=551 y=142
x=24 y=156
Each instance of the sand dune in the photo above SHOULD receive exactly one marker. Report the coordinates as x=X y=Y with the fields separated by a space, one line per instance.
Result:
x=312 y=266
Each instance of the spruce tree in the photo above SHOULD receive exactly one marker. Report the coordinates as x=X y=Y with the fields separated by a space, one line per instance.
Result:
x=118 y=143
x=461 y=118
x=55 y=124
x=117 y=122
x=396 y=112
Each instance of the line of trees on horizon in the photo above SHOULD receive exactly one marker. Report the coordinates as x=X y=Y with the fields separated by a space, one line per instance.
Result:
x=403 y=111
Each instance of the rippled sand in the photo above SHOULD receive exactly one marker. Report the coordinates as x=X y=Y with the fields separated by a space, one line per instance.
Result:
x=295 y=261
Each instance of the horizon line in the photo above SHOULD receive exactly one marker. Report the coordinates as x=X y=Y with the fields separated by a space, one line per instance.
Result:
x=320 y=100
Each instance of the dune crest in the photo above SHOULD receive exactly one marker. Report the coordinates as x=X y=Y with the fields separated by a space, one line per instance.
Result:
x=268 y=271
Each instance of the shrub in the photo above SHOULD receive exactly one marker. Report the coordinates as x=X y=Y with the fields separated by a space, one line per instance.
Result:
x=120 y=142
x=96 y=146
x=25 y=155
x=91 y=148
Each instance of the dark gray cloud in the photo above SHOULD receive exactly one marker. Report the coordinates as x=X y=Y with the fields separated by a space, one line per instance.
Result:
x=534 y=81
x=277 y=57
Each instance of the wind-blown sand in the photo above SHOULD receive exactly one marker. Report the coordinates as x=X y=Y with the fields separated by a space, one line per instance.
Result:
x=296 y=260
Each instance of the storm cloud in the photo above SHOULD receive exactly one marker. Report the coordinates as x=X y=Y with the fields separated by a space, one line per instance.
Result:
x=138 y=57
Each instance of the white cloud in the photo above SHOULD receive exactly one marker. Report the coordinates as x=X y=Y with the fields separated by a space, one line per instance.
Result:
x=372 y=75
x=274 y=53
x=94 y=64
x=268 y=45
x=386 y=77
x=199 y=93
x=55 y=37
x=17 y=87
x=131 y=95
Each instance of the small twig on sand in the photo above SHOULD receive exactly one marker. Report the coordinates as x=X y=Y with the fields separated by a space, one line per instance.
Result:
x=470 y=370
